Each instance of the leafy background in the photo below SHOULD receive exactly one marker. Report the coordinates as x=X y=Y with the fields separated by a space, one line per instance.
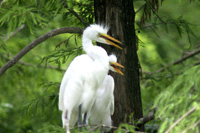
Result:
x=29 y=90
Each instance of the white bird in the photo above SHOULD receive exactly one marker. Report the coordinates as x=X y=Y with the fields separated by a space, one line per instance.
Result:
x=103 y=107
x=84 y=75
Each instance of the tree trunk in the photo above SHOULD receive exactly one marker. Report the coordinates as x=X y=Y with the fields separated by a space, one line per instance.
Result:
x=119 y=15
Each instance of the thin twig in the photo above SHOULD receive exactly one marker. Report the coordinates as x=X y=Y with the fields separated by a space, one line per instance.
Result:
x=2 y=2
x=180 y=60
x=75 y=14
x=95 y=127
x=13 y=33
x=141 y=122
x=193 y=126
x=197 y=63
x=149 y=117
x=150 y=26
x=180 y=119
x=187 y=56
x=157 y=14
x=140 y=8
x=33 y=65
x=177 y=61
x=41 y=66
x=36 y=42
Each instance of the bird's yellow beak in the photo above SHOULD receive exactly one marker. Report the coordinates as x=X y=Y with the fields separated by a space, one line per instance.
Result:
x=115 y=66
x=111 y=40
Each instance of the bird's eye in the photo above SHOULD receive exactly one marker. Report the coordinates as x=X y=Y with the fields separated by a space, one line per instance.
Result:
x=99 y=35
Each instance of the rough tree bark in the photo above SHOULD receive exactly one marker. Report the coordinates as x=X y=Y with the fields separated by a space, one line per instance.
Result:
x=119 y=15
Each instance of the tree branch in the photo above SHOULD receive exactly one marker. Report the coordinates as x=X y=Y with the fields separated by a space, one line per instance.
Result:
x=95 y=127
x=186 y=57
x=197 y=63
x=180 y=119
x=33 y=65
x=36 y=42
x=191 y=127
x=157 y=14
x=179 y=60
x=140 y=8
x=75 y=14
x=149 y=117
x=13 y=33
x=40 y=66
x=2 y=2
x=150 y=26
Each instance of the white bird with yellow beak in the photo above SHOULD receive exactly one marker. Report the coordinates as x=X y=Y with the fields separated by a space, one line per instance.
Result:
x=84 y=75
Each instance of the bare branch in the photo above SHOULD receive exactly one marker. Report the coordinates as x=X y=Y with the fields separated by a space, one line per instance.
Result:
x=36 y=42
x=193 y=126
x=149 y=117
x=2 y=2
x=33 y=65
x=75 y=14
x=150 y=26
x=13 y=33
x=177 y=62
x=197 y=63
x=157 y=15
x=180 y=119
x=140 y=8
x=95 y=127
x=40 y=66
x=186 y=57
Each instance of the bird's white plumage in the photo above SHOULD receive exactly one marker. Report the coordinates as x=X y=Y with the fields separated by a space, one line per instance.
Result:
x=82 y=78
x=103 y=106
x=78 y=85
x=112 y=58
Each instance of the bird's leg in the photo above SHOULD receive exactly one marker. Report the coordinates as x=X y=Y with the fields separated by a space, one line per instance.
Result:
x=66 y=122
x=63 y=119
x=67 y=130
x=79 y=118
x=85 y=119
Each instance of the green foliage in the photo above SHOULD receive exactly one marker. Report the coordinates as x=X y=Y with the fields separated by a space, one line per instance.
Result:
x=61 y=56
x=49 y=99
x=49 y=128
x=149 y=7
x=175 y=89
x=29 y=93
x=32 y=13
x=124 y=128
x=177 y=98
x=182 y=27
x=84 y=8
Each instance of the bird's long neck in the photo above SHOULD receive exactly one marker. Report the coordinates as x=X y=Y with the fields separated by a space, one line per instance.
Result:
x=99 y=55
x=95 y=52
x=87 y=45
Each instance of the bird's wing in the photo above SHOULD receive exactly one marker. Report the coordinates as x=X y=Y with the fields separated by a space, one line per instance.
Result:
x=111 y=84
x=112 y=107
x=105 y=93
x=62 y=88
x=72 y=81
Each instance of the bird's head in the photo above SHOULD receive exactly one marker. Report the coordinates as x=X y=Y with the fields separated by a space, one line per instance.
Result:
x=99 y=33
x=114 y=65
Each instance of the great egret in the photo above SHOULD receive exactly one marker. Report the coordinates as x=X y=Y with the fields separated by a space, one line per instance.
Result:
x=84 y=75
x=103 y=107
